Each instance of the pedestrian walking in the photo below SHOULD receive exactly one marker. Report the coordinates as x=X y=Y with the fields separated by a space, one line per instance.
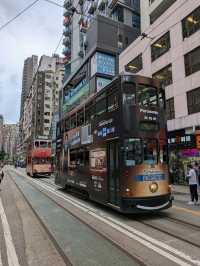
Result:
x=193 y=182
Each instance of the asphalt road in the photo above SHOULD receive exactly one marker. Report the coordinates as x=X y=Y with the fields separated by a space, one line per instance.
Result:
x=41 y=224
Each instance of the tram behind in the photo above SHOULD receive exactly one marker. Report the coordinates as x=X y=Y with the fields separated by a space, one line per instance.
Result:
x=39 y=158
x=113 y=147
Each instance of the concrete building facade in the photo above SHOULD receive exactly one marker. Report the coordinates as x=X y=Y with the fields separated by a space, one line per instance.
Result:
x=43 y=99
x=170 y=51
x=29 y=70
x=84 y=13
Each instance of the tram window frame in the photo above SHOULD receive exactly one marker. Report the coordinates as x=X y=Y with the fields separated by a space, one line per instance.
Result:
x=112 y=102
x=139 y=93
x=152 y=161
x=81 y=158
x=136 y=151
x=67 y=124
x=80 y=118
x=143 y=125
x=101 y=103
x=73 y=124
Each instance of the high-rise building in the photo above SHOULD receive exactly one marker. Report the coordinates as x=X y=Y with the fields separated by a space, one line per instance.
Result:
x=85 y=12
x=1 y=132
x=43 y=99
x=9 y=133
x=170 y=51
x=29 y=70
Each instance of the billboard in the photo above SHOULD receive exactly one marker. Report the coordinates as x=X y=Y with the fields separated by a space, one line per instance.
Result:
x=74 y=95
x=103 y=64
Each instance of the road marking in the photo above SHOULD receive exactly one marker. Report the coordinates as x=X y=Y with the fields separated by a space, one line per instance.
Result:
x=11 y=252
x=1 y=264
x=196 y=213
x=151 y=243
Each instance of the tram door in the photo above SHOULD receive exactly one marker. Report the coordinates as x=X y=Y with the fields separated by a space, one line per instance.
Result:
x=113 y=172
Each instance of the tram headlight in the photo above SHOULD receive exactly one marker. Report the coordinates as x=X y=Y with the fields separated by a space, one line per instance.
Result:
x=153 y=187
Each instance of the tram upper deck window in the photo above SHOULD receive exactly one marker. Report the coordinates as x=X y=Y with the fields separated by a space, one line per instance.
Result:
x=147 y=96
x=43 y=144
x=36 y=144
x=150 y=150
x=132 y=151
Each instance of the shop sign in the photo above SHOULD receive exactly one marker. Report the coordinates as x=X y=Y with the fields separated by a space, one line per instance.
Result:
x=149 y=115
x=190 y=153
x=182 y=141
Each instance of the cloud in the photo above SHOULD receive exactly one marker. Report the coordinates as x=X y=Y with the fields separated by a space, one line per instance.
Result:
x=35 y=32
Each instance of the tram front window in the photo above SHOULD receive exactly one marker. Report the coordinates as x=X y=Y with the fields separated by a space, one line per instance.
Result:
x=132 y=151
x=150 y=149
x=147 y=96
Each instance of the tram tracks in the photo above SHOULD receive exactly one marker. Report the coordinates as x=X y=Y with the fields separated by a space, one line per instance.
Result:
x=163 y=249
x=190 y=228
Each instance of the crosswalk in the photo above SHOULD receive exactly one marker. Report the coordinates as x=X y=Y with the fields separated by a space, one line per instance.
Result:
x=10 y=248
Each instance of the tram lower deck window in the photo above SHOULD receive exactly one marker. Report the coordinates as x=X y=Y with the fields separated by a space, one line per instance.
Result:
x=133 y=152
x=150 y=148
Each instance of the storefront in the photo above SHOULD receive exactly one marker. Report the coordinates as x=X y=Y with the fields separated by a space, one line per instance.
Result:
x=183 y=149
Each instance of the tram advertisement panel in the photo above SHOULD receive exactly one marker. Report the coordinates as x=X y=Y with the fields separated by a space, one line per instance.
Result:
x=98 y=168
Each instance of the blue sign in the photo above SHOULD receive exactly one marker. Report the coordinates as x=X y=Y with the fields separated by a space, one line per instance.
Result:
x=105 y=131
x=150 y=177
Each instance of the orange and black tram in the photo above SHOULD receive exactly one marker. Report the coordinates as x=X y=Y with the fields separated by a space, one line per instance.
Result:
x=113 y=147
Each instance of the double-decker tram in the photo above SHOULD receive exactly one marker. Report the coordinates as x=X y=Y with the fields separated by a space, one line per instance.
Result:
x=113 y=146
x=39 y=158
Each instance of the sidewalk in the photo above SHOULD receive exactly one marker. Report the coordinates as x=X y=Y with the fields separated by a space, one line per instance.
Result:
x=180 y=190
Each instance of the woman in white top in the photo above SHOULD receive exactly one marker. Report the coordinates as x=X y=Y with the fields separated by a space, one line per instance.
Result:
x=192 y=176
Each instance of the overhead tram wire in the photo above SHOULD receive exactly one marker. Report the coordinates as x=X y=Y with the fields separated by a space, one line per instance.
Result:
x=19 y=14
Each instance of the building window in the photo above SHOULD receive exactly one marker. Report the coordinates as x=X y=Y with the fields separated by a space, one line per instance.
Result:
x=191 y=23
x=193 y=101
x=46 y=121
x=118 y=14
x=157 y=12
x=192 y=61
x=164 y=76
x=170 y=112
x=136 y=20
x=151 y=2
x=160 y=47
x=135 y=65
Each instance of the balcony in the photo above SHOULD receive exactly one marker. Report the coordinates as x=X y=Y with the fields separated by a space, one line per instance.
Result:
x=67 y=41
x=67 y=31
x=102 y=4
x=67 y=13
x=67 y=4
x=66 y=21
x=81 y=53
x=67 y=59
x=83 y=26
x=92 y=8
x=66 y=51
x=112 y=3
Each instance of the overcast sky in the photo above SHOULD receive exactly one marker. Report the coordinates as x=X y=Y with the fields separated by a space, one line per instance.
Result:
x=36 y=32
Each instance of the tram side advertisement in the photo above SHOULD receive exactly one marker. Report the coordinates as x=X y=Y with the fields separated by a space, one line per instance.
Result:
x=98 y=169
